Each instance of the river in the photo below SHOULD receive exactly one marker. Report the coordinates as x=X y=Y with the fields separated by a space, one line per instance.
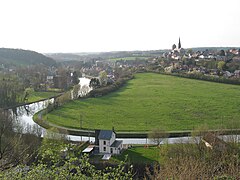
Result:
x=25 y=113
x=25 y=118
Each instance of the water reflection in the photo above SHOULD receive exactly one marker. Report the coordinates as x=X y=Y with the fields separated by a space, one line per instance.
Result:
x=23 y=115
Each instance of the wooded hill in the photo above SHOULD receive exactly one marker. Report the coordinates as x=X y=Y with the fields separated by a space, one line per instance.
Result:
x=19 y=57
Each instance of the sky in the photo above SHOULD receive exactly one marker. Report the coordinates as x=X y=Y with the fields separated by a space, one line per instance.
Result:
x=54 y=26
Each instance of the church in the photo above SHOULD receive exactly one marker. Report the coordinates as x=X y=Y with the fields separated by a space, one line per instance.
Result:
x=177 y=51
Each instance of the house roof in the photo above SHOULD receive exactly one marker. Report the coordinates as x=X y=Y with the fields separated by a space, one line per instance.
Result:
x=105 y=134
x=116 y=143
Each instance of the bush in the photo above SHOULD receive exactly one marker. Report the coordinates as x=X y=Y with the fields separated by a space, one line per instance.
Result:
x=110 y=88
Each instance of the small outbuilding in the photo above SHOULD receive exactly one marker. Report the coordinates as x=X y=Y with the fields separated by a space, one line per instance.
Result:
x=88 y=150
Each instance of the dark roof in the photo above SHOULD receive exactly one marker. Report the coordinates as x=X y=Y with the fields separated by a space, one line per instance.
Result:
x=116 y=143
x=105 y=134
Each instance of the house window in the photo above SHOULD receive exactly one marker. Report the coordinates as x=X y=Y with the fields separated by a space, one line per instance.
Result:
x=104 y=142
x=104 y=148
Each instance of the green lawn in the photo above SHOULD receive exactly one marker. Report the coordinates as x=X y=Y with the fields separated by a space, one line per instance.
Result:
x=136 y=154
x=36 y=96
x=140 y=154
x=153 y=100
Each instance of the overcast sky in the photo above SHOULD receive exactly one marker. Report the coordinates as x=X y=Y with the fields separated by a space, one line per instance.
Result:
x=111 y=25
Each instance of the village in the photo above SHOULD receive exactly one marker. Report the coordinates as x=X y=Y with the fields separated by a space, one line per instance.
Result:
x=214 y=63
x=106 y=74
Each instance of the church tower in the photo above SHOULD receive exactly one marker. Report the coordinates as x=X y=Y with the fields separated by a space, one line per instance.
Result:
x=179 y=44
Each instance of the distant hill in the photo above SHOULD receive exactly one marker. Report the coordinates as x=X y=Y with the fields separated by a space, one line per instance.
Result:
x=212 y=48
x=19 y=57
x=66 y=57
x=63 y=57
x=87 y=56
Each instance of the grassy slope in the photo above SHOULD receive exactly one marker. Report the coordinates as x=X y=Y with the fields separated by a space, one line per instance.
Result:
x=153 y=100
x=36 y=96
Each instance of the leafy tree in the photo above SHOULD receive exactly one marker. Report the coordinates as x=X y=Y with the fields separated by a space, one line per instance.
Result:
x=11 y=92
x=76 y=76
x=52 y=145
x=103 y=78
x=94 y=83
x=221 y=53
x=53 y=165
x=62 y=99
x=73 y=168
x=221 y=65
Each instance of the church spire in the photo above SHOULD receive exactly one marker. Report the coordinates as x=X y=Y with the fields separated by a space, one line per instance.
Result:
x=179 y=44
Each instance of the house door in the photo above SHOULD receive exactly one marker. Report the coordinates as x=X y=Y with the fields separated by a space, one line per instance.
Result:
x=111 y=150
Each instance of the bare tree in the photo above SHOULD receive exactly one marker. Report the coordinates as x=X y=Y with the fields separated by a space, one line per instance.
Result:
x=84 y=90
x=15 y=147
x=76 y=90
x=158 y=135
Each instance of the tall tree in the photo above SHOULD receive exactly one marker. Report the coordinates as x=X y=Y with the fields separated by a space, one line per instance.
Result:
x=103 y=78
x=94 y=83
x=75 y=77
x=11 y=92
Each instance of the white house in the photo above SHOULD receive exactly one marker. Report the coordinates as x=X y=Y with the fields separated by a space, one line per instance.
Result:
x=107 y=142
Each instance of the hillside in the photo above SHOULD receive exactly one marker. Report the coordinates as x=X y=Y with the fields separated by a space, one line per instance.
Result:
x=19 y=57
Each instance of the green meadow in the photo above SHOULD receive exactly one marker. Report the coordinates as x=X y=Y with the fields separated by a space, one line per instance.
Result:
x=153 y=100
x=140 y=154
x=136 y=155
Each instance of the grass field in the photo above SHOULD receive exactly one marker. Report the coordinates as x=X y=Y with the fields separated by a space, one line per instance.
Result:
x=153 y=100
x=140 y=154
x=36 y=96
x=136 y=154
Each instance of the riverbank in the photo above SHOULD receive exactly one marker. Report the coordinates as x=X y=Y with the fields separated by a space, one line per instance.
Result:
x=28 y=103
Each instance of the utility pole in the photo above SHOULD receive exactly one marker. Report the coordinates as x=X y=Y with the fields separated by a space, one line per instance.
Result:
x=80 y=118
x=146 y=131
